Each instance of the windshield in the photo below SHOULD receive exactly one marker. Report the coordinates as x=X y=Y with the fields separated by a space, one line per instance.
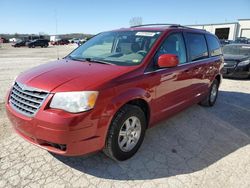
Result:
x=120 y=48
x=237 y=49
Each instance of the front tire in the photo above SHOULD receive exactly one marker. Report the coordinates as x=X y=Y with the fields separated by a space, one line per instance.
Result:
x=212 y=95
x=126 y=133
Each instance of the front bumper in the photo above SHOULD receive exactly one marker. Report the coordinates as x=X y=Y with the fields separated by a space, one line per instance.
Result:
x=60 y=132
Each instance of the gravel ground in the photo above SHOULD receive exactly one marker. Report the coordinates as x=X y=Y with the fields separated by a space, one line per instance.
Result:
x=199 y=147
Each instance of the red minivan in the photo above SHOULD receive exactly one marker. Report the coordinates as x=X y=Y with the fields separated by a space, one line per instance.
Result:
x=107 y=92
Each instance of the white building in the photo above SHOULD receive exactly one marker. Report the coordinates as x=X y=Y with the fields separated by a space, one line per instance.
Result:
x=228 y=31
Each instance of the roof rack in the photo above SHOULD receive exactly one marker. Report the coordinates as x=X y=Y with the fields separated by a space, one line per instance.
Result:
x=186 y=27
x=166 y=24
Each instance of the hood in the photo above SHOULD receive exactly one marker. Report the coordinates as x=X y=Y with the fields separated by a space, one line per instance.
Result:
x=230 y=57
x=69 y=75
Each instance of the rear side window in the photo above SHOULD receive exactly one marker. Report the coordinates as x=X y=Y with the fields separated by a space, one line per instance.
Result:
x=197 y=46
x=213 y=45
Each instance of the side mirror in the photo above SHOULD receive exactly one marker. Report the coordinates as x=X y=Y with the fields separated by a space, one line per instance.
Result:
x=168 y=60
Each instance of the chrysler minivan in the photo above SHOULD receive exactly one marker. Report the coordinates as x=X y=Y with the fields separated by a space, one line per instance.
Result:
x=106 y=93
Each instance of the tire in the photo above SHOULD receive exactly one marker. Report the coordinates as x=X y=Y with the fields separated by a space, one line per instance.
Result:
x=119 y=147
x=212 y=95
x=33 y=46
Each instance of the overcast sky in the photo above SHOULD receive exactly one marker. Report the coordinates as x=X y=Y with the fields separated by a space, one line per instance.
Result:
x=93 y=16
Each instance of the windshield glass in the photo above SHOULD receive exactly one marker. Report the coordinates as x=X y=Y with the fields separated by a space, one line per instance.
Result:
x=237 y=49
x=120 y=48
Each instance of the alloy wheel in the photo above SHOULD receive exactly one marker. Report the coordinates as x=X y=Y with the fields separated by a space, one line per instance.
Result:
x=129 y=134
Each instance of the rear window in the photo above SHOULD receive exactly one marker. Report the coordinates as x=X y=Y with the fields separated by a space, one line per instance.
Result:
x=213 y=45
x=197 y=46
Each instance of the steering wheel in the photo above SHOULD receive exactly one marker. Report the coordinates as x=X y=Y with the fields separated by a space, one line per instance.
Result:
x=142 y=52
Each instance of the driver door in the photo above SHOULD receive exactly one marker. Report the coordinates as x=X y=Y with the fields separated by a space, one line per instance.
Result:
x=173 y=90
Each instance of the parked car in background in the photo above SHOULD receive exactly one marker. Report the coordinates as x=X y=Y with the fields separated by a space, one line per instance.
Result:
x=3 y=40
x=74 y=40
x=60 y=42
x=20 y=43
x=237 y=60
x=78 y=41
x=225 y=42
x=38 y=42
x=242 y=40
x=106 y=93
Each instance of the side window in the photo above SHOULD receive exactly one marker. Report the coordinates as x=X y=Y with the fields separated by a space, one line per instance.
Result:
x=197 y=46
x=213 y=45
x=174 y=44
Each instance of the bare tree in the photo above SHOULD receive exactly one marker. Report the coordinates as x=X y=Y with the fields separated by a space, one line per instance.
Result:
x=135 y=21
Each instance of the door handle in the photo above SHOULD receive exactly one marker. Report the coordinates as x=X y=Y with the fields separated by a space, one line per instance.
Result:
x=168 y=77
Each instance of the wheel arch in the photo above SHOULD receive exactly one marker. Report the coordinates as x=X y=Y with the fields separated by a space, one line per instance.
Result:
x=219 y=78
x=136 y=96
x=142 y=104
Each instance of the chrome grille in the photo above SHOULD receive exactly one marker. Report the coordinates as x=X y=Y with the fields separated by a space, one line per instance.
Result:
x=26 y=100
x=230 y=64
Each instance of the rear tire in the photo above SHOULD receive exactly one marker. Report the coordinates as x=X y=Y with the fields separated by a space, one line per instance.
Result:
x=212 y=95
x=126 y=133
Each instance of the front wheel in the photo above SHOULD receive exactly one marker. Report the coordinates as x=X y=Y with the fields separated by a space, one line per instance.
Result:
x=126 y=133
x=212 y=95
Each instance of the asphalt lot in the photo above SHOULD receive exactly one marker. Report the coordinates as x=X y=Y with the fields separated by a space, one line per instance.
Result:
x=199 y=147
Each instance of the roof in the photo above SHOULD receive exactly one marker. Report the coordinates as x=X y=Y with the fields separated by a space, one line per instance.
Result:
x=237 y=44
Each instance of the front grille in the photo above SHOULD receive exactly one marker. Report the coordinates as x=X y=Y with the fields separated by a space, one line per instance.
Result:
x=26 y=100
x=230 y=64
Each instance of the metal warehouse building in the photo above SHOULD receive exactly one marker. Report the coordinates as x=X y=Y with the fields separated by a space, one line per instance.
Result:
x=228 y=31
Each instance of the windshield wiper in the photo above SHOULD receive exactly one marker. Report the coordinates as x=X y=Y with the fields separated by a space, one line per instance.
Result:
x=98 y=61
x=90 y=60
x=75 y=59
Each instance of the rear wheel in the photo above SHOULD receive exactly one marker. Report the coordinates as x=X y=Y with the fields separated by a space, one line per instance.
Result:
x=126 y=133
x=212 y=95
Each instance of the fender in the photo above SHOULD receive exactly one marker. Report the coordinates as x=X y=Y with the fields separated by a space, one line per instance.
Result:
x=120 y=100
x=123 y=98
x=129 y=95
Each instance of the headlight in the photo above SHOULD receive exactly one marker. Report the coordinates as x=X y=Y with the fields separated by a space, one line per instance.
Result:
x=243 y=63
x=74 y=101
